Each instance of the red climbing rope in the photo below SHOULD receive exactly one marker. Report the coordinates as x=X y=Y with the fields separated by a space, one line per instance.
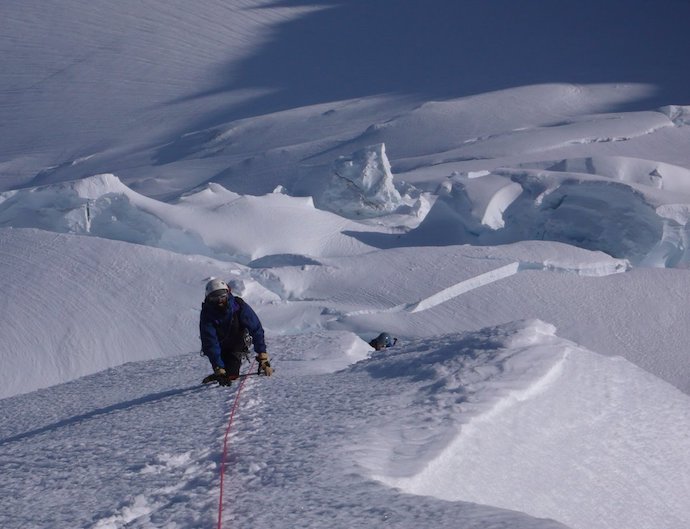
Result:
x=225 y=446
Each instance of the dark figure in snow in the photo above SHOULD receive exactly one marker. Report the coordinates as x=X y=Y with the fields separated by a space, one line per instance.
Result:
x=382 y=341
x=227 y=326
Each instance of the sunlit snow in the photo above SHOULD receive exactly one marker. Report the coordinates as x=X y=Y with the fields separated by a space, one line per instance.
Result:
x=504 y=187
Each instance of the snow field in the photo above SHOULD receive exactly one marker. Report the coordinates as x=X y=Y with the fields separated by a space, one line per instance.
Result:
x=125 y=308
x=523 y=232
x=499 y=407
x=276 y=446
x=104 y=448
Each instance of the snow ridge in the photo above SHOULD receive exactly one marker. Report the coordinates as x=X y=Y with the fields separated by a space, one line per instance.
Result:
x=493 y=400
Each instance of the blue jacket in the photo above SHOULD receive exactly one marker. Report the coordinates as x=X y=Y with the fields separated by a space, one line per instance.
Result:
x=217 y=333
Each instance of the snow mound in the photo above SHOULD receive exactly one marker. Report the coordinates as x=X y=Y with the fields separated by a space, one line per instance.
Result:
x=322 y=351
x=198 y=223
x=116 y=302
x=362 y=186
x=515 y=417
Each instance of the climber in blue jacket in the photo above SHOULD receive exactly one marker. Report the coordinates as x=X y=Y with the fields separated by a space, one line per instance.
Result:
x=227 y=327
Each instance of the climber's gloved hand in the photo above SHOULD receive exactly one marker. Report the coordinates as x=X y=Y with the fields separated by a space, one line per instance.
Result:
x=264 y=364
x=222 y=376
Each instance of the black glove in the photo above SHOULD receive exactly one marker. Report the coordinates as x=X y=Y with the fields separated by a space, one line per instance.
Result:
x=222 y=376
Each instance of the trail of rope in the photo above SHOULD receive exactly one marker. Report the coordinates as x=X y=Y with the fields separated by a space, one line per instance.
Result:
x=225 y=445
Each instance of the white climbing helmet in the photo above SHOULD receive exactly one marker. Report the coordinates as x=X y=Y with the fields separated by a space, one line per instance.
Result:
x=216 y=284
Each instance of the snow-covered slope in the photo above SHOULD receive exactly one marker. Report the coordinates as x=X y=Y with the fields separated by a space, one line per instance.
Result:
x=501 y=416
x=522 y=231
x=444 y=432
x=74 y=305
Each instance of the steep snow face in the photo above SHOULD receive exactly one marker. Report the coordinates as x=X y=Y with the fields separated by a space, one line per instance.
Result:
x=627 y=216
x=518 y=418
x=598 y=216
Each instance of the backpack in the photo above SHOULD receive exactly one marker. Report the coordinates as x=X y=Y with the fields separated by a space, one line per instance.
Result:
x=234 y=337
x=238 y=339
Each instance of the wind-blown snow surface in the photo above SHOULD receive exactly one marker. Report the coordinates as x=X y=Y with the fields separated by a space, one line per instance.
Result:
x=522 y=231
x=510 y=417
